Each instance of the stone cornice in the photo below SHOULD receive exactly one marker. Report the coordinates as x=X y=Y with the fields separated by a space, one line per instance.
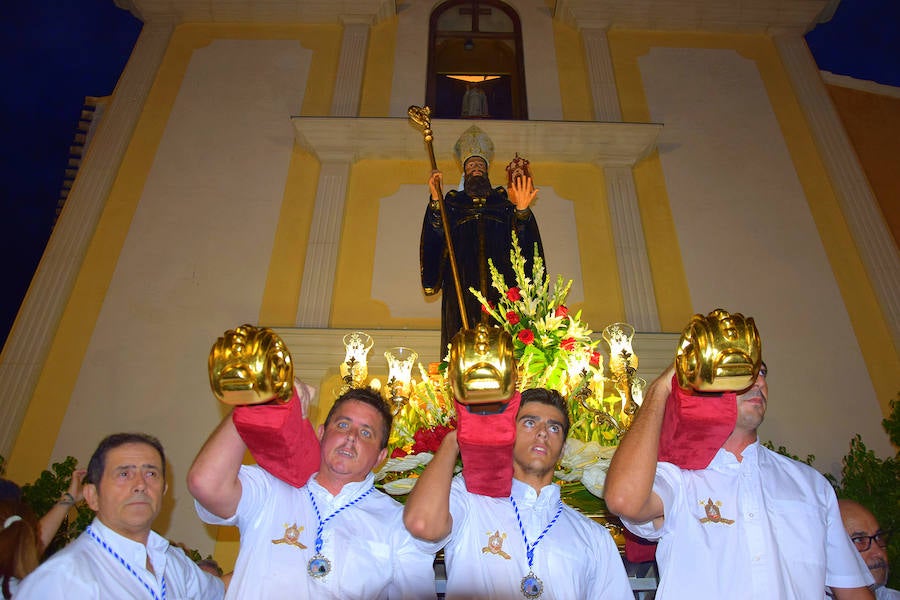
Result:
x=748 y=16
x=604 y=144
x=259 y=11
x=690 y=15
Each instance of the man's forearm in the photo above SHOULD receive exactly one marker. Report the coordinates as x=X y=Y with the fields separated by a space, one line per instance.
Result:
x=427 y=511
x=629 y=482
x=213 y=477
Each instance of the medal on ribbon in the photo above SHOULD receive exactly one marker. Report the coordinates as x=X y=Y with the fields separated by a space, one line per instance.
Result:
x=319 y=566
x=532 y=587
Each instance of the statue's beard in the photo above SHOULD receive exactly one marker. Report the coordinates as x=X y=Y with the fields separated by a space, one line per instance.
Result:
x=477 y=186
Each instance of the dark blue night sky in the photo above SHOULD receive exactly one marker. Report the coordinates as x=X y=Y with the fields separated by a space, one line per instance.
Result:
x=56 y=53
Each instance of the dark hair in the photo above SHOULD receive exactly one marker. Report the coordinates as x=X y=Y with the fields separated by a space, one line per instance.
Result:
x=20 y=545
x=551 y=398
x=97 y=465
x=368 y=396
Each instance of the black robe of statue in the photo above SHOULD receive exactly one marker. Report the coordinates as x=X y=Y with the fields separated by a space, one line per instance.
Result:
x=480 y=229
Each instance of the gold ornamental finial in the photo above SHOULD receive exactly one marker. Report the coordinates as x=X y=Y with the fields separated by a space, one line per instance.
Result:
x=250 y=365
x=719 y=352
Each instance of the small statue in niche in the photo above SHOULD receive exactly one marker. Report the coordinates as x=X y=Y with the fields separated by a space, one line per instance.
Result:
x=474 y=102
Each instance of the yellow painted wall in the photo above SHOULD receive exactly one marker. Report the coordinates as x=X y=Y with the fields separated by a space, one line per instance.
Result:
x=871 y=331
x=34 y=444
x=573 y=80
x=872 y=122
x=372 y=180
x=375 y=99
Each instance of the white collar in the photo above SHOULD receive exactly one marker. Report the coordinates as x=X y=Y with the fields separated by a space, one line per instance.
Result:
x=135 y=552
x=349 y=492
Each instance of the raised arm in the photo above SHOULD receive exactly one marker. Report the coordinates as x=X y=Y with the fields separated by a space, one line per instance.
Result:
x=629 y=483
x=213 y=478
x=427 y=511
x=50 y=522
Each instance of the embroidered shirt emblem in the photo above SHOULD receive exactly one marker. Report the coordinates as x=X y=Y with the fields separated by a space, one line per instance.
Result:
x=712 y=513
x=291 y=536
x=495 y=544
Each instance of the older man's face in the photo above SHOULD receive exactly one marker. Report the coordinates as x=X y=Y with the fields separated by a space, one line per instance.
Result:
x=861 y=525
x=129 y=496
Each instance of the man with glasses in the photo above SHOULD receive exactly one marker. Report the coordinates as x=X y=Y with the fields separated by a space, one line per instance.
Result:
x=871 y=541
x=752 y=524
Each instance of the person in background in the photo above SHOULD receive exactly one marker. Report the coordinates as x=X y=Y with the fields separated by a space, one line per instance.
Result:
x=119 y=555
x=24 y=538
x=871 y=541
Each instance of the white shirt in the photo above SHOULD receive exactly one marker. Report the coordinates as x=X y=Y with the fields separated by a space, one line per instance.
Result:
x=766 y=527
x=85 y=569
x=372 y=555
x=485 y=554
x=886 y=593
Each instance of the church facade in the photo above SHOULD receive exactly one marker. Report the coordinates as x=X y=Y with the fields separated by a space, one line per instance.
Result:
x=256 y=165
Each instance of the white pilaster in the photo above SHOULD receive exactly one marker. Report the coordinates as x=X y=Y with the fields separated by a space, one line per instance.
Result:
x=631 y=249
x=876 y=246
x=32 y=333
x=600 y=74
x=317 y=287
x=348 y=84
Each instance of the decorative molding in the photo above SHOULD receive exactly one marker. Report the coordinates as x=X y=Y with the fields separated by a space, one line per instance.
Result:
x=317 y=287
x=600 y=75
x=858 y=204
x=605 y=144
x=257 y=11
x=631 y=250
x=348 y=83
x=32 y=334
x=693 y=15
x=862 y=85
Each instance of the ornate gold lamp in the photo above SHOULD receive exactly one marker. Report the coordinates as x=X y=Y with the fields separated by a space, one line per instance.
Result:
x=400 y=362
x=355 y=369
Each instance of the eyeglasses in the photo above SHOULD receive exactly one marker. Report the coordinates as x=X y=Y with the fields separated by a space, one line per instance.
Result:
x=864 y=542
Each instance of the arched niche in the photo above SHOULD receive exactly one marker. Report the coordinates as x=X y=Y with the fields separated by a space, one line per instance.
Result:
x=475 y=61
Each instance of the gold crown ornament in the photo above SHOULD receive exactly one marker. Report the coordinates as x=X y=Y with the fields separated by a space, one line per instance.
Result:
x=517 y=167
x=250 y=365
x=474 y=142
x=719 y=352
x=482 y=368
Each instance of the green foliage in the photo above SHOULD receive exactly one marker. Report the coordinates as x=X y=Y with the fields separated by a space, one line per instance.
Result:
x=47 y=490
x=784 y=452
x=875 y=483
x=871 y=481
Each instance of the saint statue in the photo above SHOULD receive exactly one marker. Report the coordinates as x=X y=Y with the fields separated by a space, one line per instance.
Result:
x=481 y=220
x=474 y=102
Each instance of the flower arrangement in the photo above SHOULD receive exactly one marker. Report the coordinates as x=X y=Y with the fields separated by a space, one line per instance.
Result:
x=553 y=349
x=419 y=428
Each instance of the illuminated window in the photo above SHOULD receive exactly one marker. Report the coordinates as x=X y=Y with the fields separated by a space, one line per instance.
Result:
x=475 y=67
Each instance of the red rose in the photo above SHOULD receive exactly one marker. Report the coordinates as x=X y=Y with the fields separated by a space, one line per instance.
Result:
x=595 y=359
x=513 y=294
x=428 y=440
x=526 y=336
x=486 y=307
x=512 y=317
x=561 y=311
x=398 y=453
x=567 y=344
